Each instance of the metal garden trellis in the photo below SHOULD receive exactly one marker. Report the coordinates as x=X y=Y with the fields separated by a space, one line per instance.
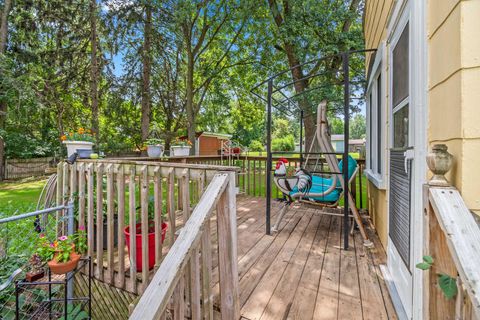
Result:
x=284 y=107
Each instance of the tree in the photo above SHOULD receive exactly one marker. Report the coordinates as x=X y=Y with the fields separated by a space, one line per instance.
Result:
x=210 y=30
x=305 y=30
x=4 y=14
x=147 y=67
x=94 y=69
x=337 y=126
x=358 y=127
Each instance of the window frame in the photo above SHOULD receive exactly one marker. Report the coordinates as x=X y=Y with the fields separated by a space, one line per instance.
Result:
x=376 y=176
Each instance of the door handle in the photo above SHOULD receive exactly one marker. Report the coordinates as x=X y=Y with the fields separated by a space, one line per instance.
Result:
x=409 y=155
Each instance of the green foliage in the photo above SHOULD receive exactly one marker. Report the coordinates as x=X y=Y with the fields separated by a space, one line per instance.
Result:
x=281 y=128
x=425 y=264
x=286 y=143
x=80 y=135
x=358 y=126
x=256 y=146
x=336 y=126
x=75 y=313
x=153 y=142
x=448 y=285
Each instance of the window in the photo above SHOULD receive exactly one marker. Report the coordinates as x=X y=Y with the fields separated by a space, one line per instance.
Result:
x=400 y=91
x=376 y=121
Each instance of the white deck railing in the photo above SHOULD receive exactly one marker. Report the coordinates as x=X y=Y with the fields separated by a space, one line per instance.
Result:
x=183 y=280
x=454 y=243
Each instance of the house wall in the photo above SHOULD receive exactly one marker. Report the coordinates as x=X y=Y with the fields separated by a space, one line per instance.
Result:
x=375 y=30
x=453 y=90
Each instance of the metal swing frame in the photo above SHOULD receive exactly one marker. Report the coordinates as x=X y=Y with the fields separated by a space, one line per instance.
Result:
x=331 y=156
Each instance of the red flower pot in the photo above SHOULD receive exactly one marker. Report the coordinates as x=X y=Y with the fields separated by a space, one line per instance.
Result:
x=64 y=267
x=138 y=243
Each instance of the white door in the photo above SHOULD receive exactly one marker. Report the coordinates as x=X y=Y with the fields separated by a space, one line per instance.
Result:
x=401 y=184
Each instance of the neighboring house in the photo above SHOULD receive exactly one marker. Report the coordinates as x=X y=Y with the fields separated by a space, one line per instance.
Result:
x=209 y=143
x=423 y=89
x=354 y=145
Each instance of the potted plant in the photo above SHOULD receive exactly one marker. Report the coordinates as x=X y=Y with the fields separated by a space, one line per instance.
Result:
x=80 y=141
x=180 y=147
x=37 y=270
x=62 y=254
x=155 y=147
x=151 y=236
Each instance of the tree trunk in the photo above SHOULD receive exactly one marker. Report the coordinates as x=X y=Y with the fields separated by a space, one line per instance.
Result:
x=3 y=104
x=94 y=70
x=146 y=102
x=189 y=103
x=300 y=86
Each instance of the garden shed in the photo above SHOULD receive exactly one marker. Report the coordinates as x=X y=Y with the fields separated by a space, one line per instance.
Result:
x=209 y=143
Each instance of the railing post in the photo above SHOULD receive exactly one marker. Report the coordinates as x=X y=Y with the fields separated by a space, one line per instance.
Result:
x=70 y=231
x=227 y=252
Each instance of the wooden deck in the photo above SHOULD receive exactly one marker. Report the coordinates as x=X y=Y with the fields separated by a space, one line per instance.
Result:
x=302 y=272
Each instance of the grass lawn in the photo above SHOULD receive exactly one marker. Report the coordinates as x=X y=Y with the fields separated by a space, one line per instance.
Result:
x=20 y=195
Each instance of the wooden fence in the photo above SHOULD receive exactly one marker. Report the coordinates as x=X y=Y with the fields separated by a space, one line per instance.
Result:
x=111 y=195
x=24 y=168
x=453 y=240
x=184 y=277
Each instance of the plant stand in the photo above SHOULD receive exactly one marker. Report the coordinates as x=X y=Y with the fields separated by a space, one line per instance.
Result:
x=68 y=298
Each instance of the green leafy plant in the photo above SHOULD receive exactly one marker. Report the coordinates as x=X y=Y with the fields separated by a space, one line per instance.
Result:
x=79 y=135
x=61 y=248
x=256 y=146
x=75 y=313
x=181 y=143
x=153 y=142
x=446 y=283
x=286 y=143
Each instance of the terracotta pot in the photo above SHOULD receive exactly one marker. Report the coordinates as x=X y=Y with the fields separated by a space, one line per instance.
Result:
x=64 y=267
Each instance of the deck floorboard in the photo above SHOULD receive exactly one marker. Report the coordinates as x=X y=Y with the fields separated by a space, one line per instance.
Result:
x=303 y=272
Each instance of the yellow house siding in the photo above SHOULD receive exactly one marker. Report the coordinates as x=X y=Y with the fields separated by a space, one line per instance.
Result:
x=377 y=208
x=454 y=95
x=376 y=15
x=375 y=30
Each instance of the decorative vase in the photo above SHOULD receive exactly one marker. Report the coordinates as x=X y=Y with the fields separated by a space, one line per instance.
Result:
x=155 y=151
x=72 y=146
x=64 y=267
x=139 y=244
x=439 y=161
x=180 y=151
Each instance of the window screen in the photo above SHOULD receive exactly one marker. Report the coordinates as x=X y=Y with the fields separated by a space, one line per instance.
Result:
x=400 y=68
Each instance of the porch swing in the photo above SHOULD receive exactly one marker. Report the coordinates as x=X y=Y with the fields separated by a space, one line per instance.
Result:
x=318 y=190
x=313 y=188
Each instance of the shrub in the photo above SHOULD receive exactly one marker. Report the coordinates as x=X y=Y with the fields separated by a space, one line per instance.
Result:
x=256 y=146
x=286 y=143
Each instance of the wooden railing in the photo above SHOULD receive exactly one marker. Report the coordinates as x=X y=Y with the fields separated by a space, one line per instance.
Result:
x=454 y=244
x=183 y=279
x=110 y=195
x=251 y=178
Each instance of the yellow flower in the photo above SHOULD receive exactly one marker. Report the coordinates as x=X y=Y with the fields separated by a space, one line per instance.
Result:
x=63 y=138
x=81 y=130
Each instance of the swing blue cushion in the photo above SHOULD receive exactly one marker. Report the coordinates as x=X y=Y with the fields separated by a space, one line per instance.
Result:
x=320 y=184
